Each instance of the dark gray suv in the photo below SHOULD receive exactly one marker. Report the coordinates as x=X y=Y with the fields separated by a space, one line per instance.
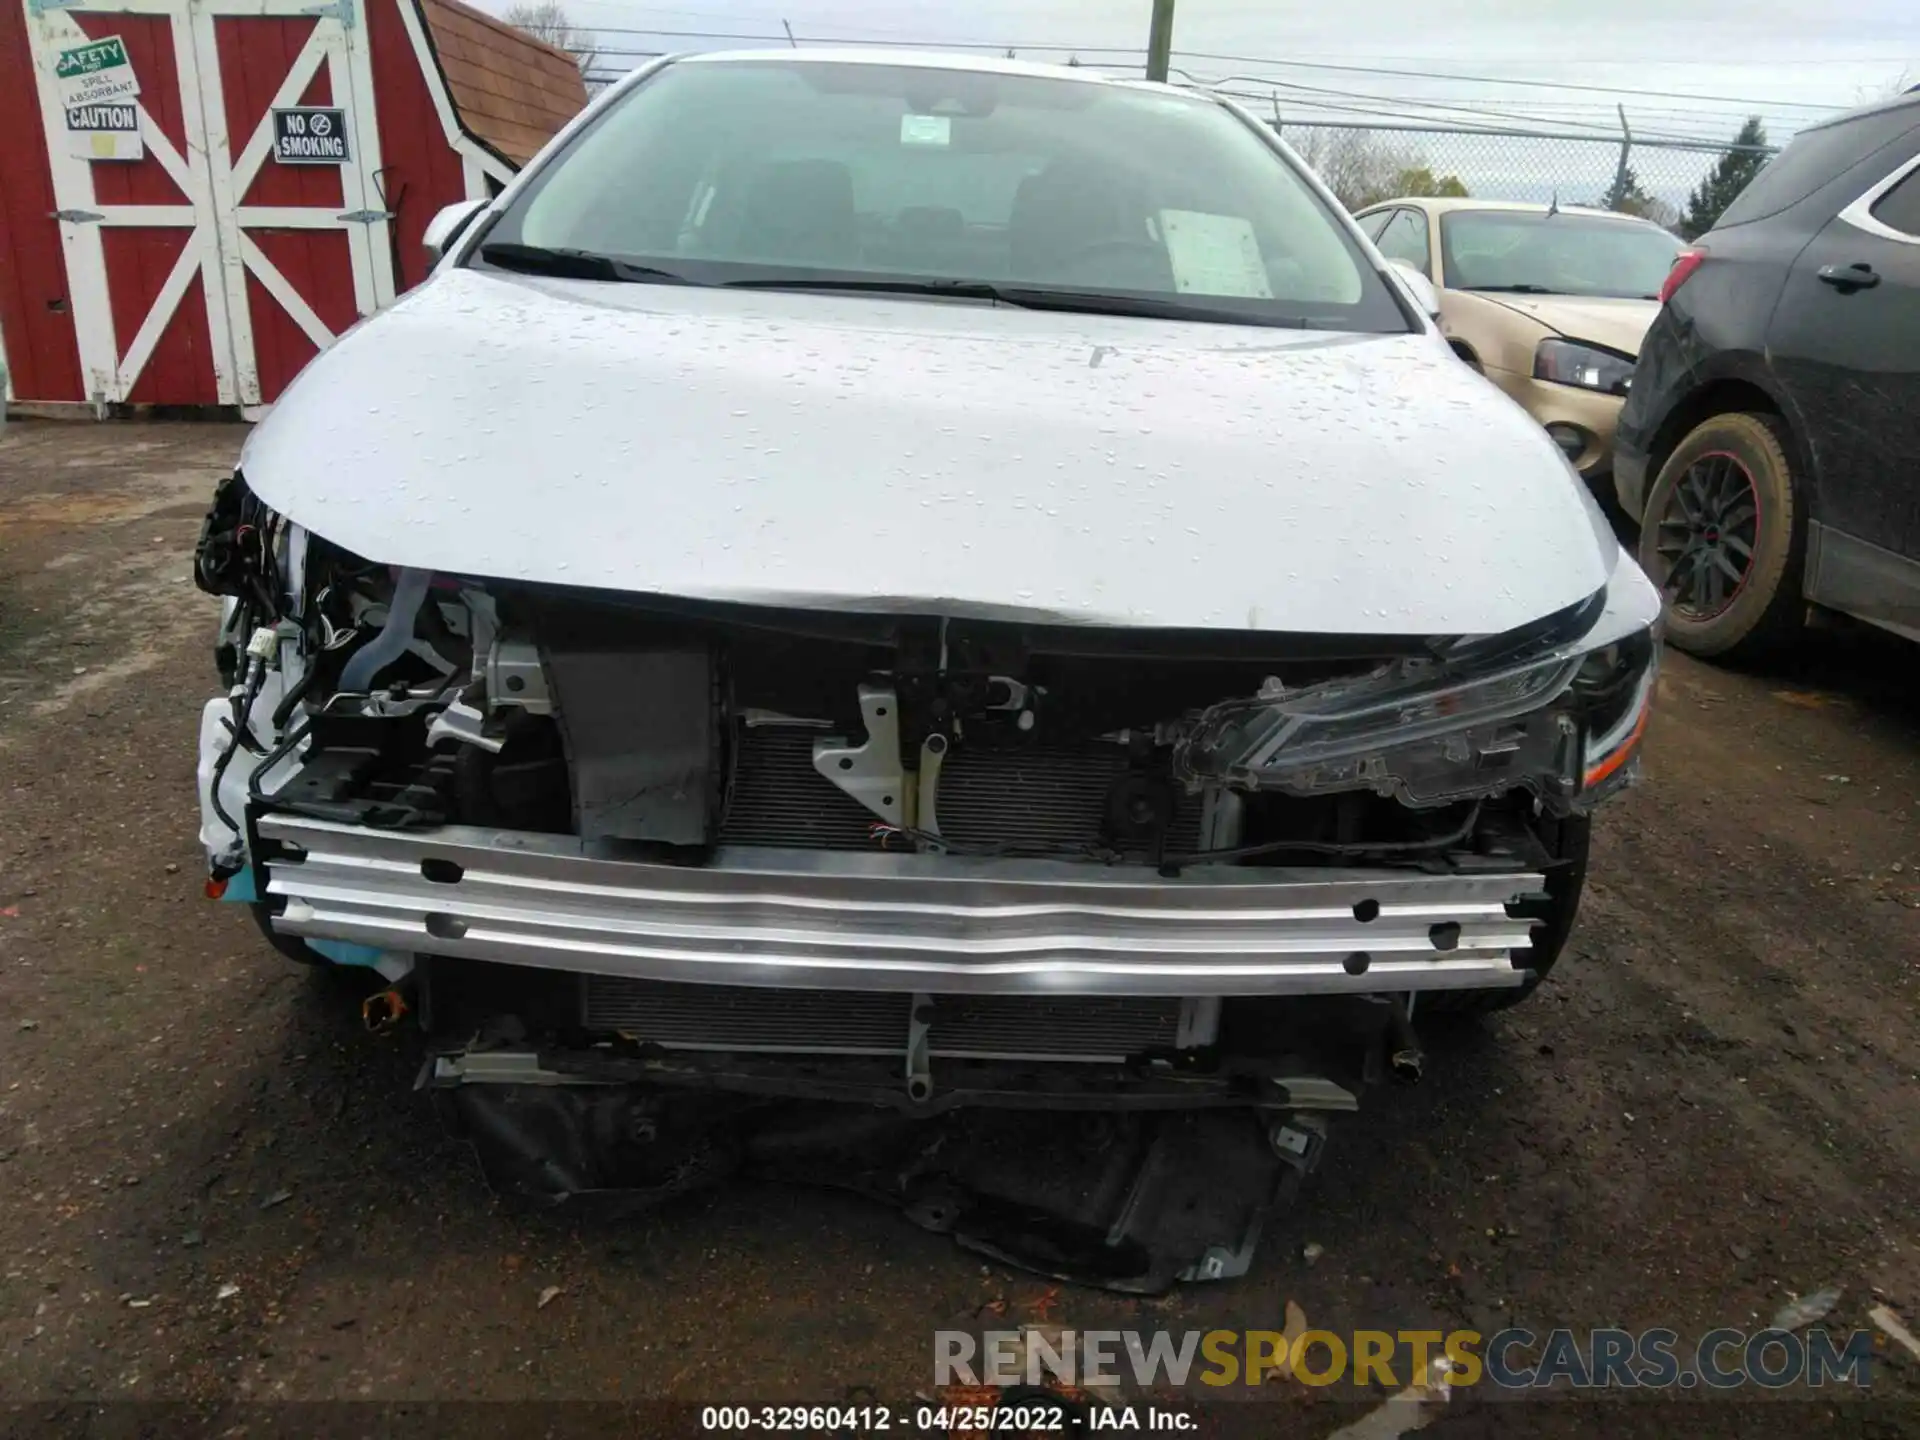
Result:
x=1770 y=444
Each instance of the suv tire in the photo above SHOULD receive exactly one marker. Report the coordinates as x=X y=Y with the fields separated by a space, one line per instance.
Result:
x=1728 y=487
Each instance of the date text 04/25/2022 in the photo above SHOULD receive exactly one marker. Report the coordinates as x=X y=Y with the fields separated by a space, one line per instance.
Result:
x=1018 y=1419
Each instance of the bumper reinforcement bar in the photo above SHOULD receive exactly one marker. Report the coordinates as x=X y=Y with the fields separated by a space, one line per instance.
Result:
x=919 y=923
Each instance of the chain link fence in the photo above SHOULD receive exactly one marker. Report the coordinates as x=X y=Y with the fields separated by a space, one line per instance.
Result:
x=1364 y=164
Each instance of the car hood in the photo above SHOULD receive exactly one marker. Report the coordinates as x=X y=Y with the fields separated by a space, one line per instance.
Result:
x=1617 y=324
x=871 y=454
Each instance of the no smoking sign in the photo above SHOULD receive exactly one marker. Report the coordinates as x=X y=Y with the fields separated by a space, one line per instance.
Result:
x=310 y=135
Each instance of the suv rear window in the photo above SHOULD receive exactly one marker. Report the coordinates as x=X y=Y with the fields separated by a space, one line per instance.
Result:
x=1813 y=158
x=1900 y=206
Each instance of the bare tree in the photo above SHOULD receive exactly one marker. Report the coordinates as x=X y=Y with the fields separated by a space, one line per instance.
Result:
x=548 y=20
x=1903 y=83
x=1363 y=169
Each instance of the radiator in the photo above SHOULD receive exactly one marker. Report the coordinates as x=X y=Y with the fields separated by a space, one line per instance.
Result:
x=841 y=1022
x=1030 y=796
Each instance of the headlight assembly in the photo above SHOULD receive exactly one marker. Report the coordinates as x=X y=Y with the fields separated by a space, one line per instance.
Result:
x=1399 y=704
x=1567 y=362
x=1565 y=726
x=1614 y=692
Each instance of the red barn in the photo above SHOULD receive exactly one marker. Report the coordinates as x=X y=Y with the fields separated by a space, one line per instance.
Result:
x=196 y=196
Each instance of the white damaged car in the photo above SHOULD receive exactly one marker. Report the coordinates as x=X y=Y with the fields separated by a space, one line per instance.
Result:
x=923 y=587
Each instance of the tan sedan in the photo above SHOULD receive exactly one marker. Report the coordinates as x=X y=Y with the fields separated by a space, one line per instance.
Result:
x=1549 y=302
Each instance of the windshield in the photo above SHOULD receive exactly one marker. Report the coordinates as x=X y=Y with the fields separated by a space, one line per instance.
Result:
x=1554 y=254
x=816 y=172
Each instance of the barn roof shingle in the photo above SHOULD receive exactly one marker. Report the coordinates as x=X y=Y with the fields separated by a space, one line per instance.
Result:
x=511 y=92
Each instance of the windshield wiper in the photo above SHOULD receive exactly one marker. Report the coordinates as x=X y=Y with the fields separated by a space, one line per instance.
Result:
x=959 y=289
x=573 y=264
x=1513 y=289
x=1025 y=297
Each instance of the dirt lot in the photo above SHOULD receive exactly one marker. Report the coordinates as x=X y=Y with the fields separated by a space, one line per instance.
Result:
x=215 y=1188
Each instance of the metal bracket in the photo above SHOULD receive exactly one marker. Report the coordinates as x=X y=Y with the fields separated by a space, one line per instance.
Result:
x=515 y=676
x=1221 y=811
x=342 y=10
x=1199 y=1022
x=78 y=217
x=1299 y=1141
x=871 y=772
x=933 y=752
x=919 y=1047
x=366 y=217
x=1221 y=1263
x=463 y=722
x=1017 y=693
x=1020 y=702
x=1313 y=1092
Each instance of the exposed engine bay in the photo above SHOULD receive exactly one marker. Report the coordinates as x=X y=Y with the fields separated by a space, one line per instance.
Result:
x=678 y=888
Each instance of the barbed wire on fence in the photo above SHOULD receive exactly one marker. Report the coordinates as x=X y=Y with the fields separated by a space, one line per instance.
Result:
x=1367 y=163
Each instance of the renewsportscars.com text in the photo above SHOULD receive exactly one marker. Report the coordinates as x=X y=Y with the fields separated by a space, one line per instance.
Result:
x=1512 y=1359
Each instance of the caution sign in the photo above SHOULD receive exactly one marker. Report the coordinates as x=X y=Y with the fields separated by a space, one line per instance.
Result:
x=92 y=73
x=105 y=132
x=310 y=135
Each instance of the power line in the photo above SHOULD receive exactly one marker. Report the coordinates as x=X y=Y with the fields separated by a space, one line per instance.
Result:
x=781 y=40
x=1386 y=101
x=1585 y=61
x=1000 y=47
x=1053 y=47
x=769 y=17
x=1370 y=108
x=1496 y=80
x=1307 y=95
x=1297 y=96
x=1376 y=117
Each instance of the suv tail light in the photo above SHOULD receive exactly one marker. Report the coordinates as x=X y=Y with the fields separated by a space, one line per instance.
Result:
x=1684 y=264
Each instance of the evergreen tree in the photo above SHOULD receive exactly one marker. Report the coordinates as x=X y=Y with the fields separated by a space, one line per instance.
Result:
x=1628 y=197
x=1729 y=177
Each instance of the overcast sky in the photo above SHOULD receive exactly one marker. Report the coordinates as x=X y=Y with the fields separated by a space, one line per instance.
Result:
x=1682 y=69
x=1787 y=56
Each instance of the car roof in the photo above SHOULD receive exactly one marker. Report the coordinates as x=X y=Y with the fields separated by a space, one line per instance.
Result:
x=1440 y=204
x=1905 y=99
x=927 y=60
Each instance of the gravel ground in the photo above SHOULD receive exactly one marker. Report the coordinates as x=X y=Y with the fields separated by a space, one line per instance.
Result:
x=218 y=1190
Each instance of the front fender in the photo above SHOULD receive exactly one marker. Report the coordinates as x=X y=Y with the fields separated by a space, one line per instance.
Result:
x=1683 y=380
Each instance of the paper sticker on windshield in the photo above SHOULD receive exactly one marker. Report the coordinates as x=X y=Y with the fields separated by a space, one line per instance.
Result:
x=1214 y=254
x=926 y=130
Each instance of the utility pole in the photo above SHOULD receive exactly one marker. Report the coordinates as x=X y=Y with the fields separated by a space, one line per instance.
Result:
x=1617 y=196
x=1160 y=40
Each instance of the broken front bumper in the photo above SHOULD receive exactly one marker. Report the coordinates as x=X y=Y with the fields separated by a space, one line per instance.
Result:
x=911 y=923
